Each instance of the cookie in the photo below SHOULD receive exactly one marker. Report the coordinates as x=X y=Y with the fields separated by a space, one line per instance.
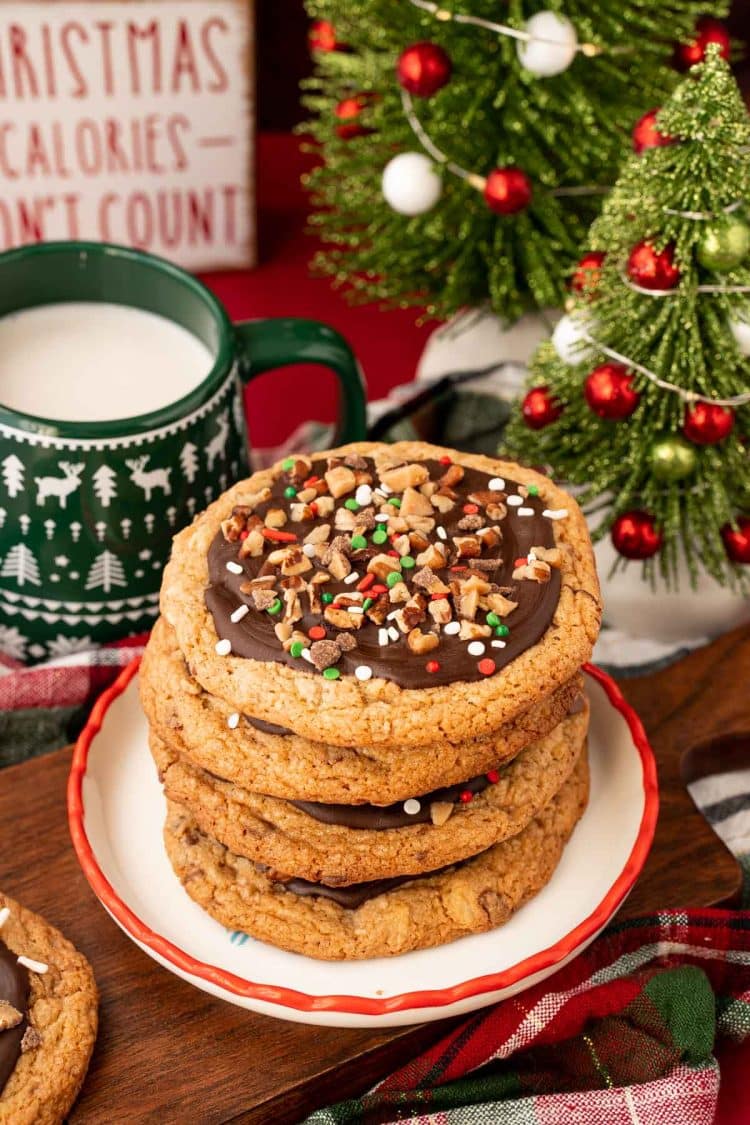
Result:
x=318 y=843
x=430 y=910
x=202 y=730
x=48 y=1019
x=354 y=599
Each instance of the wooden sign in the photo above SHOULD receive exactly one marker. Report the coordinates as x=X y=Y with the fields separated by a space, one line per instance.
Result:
x=129 y=121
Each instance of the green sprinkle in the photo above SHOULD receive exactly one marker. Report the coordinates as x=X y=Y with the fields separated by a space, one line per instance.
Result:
x=290 y=492
x=493 y=619
x=379 y=536
x=407 y=562
x=351 y=504
x=296 y=649
x=502 y=631
x=395 y=501
x=331 y=673
x=358 y=541
x=287 y=464
x=274 y=608
x=367 y=603
x=326 y=598
x=533 y=490
x=393 y=578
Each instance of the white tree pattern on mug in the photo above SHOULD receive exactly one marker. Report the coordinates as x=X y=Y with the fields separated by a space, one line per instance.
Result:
x=13 y=474
x=105 y=485
x=189 y=462
x=106 y=572
x=21 y=564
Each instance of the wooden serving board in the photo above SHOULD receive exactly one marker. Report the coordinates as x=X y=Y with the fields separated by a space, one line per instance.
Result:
x=167 y=1052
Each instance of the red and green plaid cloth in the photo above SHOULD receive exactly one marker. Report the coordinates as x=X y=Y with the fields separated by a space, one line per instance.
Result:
x=623 y=1035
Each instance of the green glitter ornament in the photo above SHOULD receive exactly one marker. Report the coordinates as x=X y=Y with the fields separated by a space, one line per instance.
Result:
x=672 y=459
x=724 y=245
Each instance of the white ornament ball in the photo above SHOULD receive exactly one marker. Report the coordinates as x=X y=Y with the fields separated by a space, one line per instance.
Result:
x=740 y=329
x=410 y=184
x=552 y=46
x=569 y=338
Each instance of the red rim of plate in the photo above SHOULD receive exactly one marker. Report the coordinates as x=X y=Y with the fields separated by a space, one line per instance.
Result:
x=290 y=998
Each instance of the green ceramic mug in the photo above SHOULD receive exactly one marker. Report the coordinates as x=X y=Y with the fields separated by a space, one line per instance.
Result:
x=88 y=509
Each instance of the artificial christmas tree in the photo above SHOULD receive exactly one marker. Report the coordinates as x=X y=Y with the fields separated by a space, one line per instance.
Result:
x=662 y=447
x=466 y=150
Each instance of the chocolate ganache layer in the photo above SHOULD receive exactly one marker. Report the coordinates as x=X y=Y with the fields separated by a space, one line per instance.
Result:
x=357 y=893
x=377 y=817
x=14 y=990
x=333 y=570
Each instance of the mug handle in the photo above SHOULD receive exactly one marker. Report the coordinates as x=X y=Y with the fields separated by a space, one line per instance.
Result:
x=280 y=341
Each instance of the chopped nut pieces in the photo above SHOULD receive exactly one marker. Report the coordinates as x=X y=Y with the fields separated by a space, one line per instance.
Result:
x=325 y=654
x=440 y=812
x=31 y=1040
x=404 y=476
x=340 y=481
x=420 y=642
x=9 y=1016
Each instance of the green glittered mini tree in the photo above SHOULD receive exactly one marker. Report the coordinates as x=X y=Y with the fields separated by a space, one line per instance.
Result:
x=643 y=394
x=462 y=165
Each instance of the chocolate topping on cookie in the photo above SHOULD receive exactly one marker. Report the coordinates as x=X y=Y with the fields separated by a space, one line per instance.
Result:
x=14 y=992
x=423 y=573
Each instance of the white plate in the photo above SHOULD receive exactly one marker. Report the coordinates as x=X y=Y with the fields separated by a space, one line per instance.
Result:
x=116 y=811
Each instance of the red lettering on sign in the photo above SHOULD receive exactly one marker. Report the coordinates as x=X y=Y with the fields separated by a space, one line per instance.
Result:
x=221 y=80
x=184 y=60
x=23 y=70
x=68 y=30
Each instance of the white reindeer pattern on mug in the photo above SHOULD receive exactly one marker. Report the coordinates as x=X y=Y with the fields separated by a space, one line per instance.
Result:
x=61 y=487
x=216 y=447
x=149 y=479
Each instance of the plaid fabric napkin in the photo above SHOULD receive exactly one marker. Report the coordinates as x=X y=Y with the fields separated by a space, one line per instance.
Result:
x=624 y=1034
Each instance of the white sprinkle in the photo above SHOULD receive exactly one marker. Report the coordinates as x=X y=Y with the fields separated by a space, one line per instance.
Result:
x=350 y=578
x=234 y=720
x=393 y=615
x=234 y=567
x=555 y=513
x=385 y=489
x=476 y=648
x=309 y=550
x=363 y=672
x=363 y=495
x=412 y=807
x=498 y=644
x=382 y=636
x=305 y=654
x=531 y=557
x=4 y=916
x=452 y=628
x=526 y=511
x=33 y=966
x=497 y=484
x=514 y=501
x=355 y=609
x=223 y=648
x=383 y=517
x=240 y=612
x=442 y=533
x=393 y=633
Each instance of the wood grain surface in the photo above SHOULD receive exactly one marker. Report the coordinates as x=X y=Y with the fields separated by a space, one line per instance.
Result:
x=169 y=1053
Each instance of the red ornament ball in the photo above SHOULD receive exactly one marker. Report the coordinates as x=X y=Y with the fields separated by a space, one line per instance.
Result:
x=737 y=540
x=540 y=408
x=646 y=135
x=653 y=269
x=609 y=391
x=507 y=190
x=707 y=30
x=347 y=111
x=588 y=272
x=706 y=423
x=423 y=69
x=636 y=536
x=322 y=36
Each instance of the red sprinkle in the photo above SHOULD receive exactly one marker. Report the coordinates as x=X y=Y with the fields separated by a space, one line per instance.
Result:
x=277 y=536
x=317 y=632
x=446 y=461
x=492 y=776
x=466 y=797
x=394 y=554
x=379 y=589
x=310 y=482
x=486 y=666
x=432 y=666
x=244 y=534
x=366 y=582
x=520 y=562
x=471 y=509
x=314 y=508
x=458 y=568
x=437 y=597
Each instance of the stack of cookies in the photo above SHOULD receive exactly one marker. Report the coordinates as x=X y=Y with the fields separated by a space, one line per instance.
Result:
x=365 y=699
